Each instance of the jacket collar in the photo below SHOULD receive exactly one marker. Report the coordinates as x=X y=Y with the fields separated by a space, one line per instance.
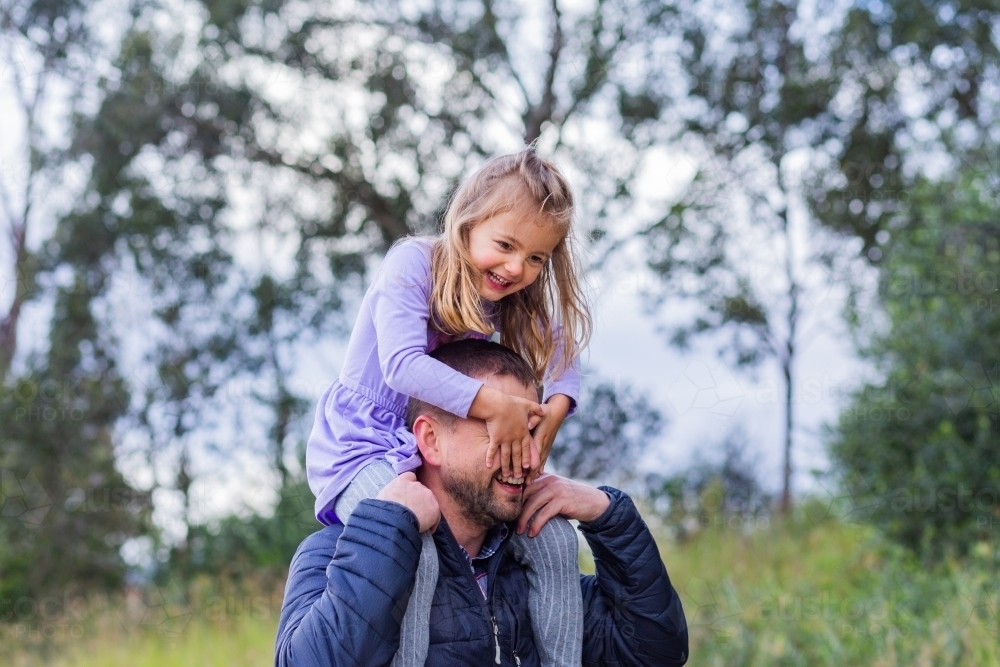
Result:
x=451 y=550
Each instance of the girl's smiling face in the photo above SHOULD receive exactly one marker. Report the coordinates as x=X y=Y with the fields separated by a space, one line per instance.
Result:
x=510 y=250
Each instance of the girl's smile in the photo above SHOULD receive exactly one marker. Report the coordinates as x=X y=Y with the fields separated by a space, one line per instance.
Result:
x=510 y=250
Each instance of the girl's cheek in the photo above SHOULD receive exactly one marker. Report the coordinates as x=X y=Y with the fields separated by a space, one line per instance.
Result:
x=526 y=283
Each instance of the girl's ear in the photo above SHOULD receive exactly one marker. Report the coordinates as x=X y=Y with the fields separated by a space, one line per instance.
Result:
x=425 y=431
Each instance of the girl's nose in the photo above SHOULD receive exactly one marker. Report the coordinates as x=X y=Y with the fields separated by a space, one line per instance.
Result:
x=514 y=268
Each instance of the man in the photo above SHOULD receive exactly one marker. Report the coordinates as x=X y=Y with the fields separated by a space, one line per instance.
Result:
x=348 y=586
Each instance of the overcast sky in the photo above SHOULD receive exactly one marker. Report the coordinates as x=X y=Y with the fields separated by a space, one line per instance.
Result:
x=702 y=399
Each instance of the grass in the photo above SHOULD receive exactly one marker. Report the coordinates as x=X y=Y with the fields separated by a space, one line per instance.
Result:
x=793 y=594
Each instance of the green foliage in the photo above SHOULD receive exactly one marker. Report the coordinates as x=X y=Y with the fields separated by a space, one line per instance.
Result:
x=805 y=594
x=711 y=495
x=796 y=593
x=66 y=509
x=607 y=436
x=239 y=549
x=920 y=448
x=245 y=235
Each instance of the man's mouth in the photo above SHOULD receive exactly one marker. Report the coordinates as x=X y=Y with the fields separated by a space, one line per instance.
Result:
x=496 y=282
x=509 y=484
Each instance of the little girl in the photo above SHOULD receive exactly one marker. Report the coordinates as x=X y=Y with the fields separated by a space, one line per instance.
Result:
x=503 y=264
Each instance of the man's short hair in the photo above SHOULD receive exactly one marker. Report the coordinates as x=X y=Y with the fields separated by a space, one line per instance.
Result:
x=480 y=359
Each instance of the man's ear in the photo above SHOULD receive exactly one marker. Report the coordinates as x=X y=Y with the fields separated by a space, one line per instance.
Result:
x=425 y=431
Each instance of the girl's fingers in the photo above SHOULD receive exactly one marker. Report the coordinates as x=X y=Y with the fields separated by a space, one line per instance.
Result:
x=505 y=458
x=536 y=458
x=515 y=457
x=491 y=452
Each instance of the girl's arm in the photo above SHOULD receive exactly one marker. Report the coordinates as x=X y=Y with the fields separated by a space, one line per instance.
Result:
x=399 y=302
x=560 y=398
x=400 y=310
x=567 y=383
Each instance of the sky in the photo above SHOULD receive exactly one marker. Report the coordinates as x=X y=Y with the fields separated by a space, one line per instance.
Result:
x=701 y=398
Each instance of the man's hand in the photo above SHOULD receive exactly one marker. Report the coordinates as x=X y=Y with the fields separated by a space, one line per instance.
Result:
x=551 y=495
x=416 y=497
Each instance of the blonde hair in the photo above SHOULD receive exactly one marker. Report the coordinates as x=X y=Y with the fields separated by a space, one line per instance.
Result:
x=548 y=317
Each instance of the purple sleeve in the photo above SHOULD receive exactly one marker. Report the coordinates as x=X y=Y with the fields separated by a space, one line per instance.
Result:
x=567 y=384
x=400 y=310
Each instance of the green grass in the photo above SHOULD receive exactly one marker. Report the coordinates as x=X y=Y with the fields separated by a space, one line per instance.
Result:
x=793 y=594
x=828 y=594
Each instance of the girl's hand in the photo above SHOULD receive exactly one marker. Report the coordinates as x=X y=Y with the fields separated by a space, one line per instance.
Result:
x=509 y=420
x=557 y=407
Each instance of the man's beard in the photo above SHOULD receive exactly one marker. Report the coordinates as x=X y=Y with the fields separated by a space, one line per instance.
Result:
x=479 y=503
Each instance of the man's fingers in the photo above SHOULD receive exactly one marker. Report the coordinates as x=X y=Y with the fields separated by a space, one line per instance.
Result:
x=533 y=421
x=538 y=522
x=534 y=501
x=542 y=480
x=532 y=476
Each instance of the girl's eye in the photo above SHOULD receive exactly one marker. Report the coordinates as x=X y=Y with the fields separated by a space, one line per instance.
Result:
x=535 y=259
x=504 y=245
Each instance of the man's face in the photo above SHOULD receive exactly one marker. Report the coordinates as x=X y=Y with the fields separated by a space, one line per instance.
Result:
x=476 y=489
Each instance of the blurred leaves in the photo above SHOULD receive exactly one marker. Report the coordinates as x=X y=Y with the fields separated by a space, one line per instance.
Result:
x=920 y=444
x=611 y=430
x=230 y=179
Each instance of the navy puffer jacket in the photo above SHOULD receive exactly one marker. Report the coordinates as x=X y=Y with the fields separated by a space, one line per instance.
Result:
x=348 y=588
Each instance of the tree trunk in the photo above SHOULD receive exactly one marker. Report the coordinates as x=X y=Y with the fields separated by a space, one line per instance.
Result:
x=8 y=325
x=788 y=359
x=786 y=477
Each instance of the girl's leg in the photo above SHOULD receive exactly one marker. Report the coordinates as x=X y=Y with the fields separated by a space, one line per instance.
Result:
x=554 y=598
x=414 y=631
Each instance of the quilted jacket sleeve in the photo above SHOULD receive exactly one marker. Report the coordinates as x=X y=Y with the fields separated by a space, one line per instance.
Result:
x=344 y=601
x=632 y=614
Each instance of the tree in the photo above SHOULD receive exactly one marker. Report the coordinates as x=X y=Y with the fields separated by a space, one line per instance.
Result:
x=246 y=175
x=803 y=123
x=918 y=444
x=43 y=43
x=65 y=509
x=607 y=437
x=739 y=249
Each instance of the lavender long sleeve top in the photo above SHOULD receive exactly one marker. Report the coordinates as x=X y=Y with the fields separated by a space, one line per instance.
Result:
x=361 y=416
